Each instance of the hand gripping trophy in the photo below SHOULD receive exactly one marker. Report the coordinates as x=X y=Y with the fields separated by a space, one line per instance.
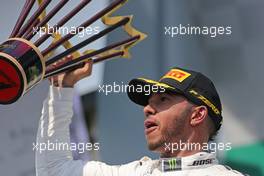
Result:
x=23 y=64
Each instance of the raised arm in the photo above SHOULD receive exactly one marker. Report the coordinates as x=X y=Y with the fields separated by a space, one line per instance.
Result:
x=53 y=154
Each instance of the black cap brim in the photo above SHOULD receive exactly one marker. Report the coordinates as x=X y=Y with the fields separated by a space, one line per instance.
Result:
x=142 y=97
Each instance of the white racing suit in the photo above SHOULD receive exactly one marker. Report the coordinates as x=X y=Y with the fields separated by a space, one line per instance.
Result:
x=52 y=160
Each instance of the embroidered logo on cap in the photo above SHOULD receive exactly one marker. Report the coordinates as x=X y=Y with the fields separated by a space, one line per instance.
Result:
x=177 y=74
x=206 y=101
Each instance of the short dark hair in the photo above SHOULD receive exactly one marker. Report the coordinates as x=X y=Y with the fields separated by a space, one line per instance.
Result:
x=212 y=129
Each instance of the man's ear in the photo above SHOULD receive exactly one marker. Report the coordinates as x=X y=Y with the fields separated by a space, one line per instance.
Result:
x=198 y=115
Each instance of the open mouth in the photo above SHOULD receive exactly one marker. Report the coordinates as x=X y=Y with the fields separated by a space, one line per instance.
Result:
x=150 y=126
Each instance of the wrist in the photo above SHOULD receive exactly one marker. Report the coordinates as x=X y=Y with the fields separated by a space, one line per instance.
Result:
x=63 y=83
x=68 y=84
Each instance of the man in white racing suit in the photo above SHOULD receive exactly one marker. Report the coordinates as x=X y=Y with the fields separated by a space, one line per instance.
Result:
x=183 y=107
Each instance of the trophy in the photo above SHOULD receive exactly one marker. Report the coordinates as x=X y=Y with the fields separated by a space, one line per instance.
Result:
x=23 y=64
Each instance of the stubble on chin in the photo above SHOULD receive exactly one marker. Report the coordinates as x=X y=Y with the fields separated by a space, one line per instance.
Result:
x=156 y=145
x=172 y=133
x=168 y=135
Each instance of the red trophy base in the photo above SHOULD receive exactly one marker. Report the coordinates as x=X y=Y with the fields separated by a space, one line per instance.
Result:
x=22 y=66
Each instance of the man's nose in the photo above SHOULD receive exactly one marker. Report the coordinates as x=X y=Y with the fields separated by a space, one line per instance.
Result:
x=149 y=110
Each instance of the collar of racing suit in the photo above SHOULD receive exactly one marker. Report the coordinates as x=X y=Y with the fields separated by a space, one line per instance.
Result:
x=196 y=161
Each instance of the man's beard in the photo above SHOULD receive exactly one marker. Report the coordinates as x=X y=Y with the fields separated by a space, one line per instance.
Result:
x=169 y=135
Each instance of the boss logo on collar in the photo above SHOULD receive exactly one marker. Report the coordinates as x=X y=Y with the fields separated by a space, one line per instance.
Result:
x=202 y=162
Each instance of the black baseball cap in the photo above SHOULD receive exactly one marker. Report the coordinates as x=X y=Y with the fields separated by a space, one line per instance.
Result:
x=194 y=86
